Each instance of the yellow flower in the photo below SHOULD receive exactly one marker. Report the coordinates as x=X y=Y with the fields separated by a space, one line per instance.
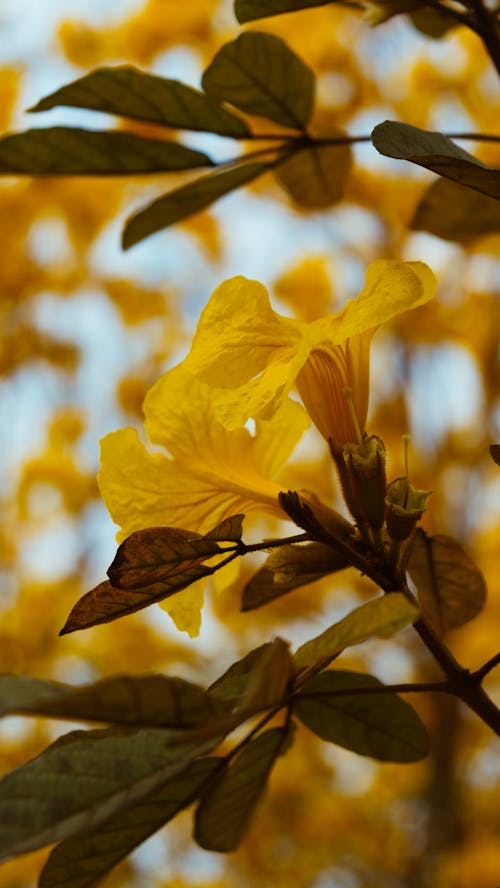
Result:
x=252 y=356
x=211 y=473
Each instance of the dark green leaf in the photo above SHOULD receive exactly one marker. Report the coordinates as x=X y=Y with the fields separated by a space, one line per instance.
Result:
x=437 y=153
x=451 y=589
x=86 y=777
x=259 y=681
x=289 y=567
x=145 y=700
x=62 y=150
x=431 y=22
x=378 y=725
x=260 y=74
x=315 y=177
x=187 y=200
x=454 y=213
x=381 y=617
x=128 y=92
x=249 y=10
x=224 y=813
x=83 y=861
x=495 y=453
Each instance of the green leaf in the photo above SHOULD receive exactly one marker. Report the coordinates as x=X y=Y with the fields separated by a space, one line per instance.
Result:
x=289 y=567
x=224 y=813
x=249 y=10
x=431 y=22
x=495 y=453
x=378 y=618
x=454 y=213
x=187 y=200
x=86 y=777
x=451 y=589
x=260 y=74
x=378 y=725
x=145 y=700
x=128 y=92
x=63 y=151
x=259 y=681
x=315 y=177
x=437 y=153
x=82 y=862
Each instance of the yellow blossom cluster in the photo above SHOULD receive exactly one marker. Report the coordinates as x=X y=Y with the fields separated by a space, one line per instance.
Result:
x=244 y=362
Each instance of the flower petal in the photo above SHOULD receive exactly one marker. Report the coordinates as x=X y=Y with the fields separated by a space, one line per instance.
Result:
x=185 y=608
x=391 y=288
x=238 y=334
x=276 y=438
x=132 y=483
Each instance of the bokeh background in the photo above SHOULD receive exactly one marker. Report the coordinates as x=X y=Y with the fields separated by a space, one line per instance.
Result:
x=86 y=329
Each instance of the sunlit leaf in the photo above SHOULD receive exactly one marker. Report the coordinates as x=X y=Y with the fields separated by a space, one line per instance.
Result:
x=378 y=725
x=63 y=150
x=260 y=74
x=287 y=568
x=495 y=453
x=52 y=797
x=146 y=700
x=81 y=862
x=258 y=681
x=224 y=813
x=437 y=153
x=188 y=199
x=129 y=92
x=455 y=213
x=451 y=589
x=315 y=177
x=249 y=10
x=381 y=617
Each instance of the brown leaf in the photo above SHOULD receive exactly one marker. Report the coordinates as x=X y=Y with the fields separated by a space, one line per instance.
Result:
x=451 y=589
x=151 y=565
x=156 y=555
x=495 y=453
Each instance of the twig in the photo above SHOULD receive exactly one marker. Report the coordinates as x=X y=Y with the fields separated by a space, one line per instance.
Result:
x=479 y=674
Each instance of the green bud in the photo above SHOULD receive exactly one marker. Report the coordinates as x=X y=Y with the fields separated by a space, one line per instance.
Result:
x=405 y=505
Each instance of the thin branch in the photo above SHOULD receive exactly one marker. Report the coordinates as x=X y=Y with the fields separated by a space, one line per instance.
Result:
x=481 y=673
x=300 y=142
x=487 y=30
x=274 y=544
x=460 y=17
x=441 y=687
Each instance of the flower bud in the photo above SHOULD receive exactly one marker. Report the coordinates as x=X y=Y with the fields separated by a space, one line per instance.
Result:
x=361 y=469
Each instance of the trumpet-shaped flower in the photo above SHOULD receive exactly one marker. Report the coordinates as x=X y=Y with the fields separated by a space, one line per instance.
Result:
x=211 y=473
x=252 y=356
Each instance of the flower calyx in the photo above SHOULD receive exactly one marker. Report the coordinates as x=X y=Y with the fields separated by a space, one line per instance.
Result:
x=405 y=505
x=361 y=470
